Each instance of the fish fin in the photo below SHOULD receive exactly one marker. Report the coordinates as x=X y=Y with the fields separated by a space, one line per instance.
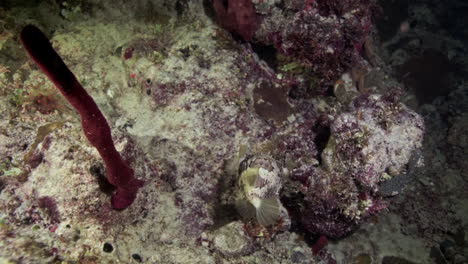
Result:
x=245 y=209
x=268 y=212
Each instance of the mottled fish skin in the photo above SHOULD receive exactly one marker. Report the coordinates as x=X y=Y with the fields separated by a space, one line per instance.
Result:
x=260 y=182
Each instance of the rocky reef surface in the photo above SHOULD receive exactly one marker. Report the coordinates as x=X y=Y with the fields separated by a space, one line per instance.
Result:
x=194 y=89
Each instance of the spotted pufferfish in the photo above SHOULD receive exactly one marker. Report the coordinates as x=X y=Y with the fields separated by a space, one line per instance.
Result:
x=259 y=186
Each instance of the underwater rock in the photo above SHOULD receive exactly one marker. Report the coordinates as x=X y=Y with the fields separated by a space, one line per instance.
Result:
x=374 y=141
x=344 y=89
x=326 y=36
x=370 y=142
x=331 y=205
x=232 y=241
x=458 y=132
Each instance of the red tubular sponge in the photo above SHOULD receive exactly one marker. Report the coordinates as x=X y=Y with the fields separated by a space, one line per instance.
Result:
x=93 y=121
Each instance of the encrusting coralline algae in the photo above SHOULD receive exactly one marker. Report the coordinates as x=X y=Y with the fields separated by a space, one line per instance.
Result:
x=191 y=97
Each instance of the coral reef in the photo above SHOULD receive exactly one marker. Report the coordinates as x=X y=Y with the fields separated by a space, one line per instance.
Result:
x=354 y=162
x=201 y=96
x=324 y=37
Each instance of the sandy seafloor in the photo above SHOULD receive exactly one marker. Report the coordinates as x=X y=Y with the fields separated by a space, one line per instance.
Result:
x=171 y=108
